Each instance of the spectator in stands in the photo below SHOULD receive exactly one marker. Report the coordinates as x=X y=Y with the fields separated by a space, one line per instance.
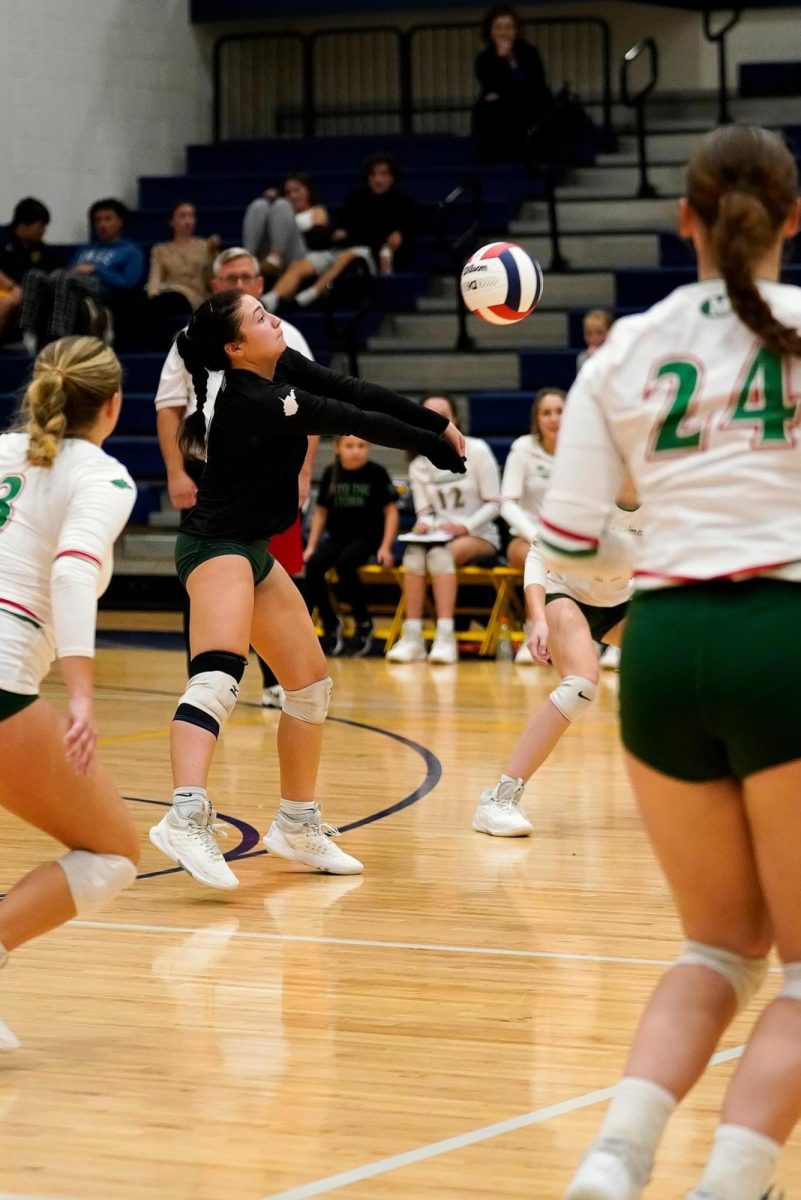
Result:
x=377 y=224
x=21 y=248
x=282 y=229
x=525 y=479
x=596 y=325
x=104 y=278
x=357 y=512
x=455 y=524
x=514 y=93
x=236 y=270
x=181 y=269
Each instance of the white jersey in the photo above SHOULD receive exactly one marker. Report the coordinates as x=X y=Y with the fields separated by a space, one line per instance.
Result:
x=58 y=526
x=525 y=480
x=472 y=499
x=705 y=418
x=176 y=389
x=610 y=583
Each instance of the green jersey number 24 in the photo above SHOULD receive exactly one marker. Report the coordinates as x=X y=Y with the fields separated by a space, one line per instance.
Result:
x=760 y=403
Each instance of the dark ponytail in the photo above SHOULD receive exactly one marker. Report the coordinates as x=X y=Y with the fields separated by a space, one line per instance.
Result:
x=202 y=347
x=742 y=183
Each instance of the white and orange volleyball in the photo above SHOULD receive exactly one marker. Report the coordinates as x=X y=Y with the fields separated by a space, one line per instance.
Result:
x=501 y=283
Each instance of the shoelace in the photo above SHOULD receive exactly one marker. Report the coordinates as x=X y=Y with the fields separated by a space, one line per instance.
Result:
x=510 y=799
x=207 y=834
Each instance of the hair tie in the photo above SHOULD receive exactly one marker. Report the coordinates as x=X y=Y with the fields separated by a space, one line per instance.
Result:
x=61 y=374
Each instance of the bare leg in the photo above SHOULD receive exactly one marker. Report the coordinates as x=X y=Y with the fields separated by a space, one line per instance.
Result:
x=292 y=278
x=83 y=812
x=8 y=307
x=516 y=552
x=334 y=272
x=414 y=593
x=464 y=550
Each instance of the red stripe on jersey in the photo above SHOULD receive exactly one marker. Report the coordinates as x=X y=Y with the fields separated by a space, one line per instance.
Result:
x=573 y=537
x=80 y=554
x=21 y=607
x=743 y=573
x=497 y=251
x=509 y=314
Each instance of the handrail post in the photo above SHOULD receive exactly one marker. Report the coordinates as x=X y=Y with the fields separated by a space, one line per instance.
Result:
x=308 y=118
x=406 y=113
x=719 y=36
x=558 y=261
x=646 y=190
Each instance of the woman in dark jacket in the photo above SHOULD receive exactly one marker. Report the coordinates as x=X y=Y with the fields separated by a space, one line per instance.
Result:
x=514 y=93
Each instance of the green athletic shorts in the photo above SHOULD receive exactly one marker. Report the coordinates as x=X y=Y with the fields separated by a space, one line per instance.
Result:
x=600 y=620
x=191 y=551
x=710 y=678
x=13 y=702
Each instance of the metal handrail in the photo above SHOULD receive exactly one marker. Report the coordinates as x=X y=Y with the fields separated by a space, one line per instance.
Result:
x=219 y=46
x=456 y=248
x=637 y=101
x=719 y=36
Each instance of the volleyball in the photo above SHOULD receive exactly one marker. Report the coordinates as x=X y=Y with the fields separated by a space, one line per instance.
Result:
x=501 y=283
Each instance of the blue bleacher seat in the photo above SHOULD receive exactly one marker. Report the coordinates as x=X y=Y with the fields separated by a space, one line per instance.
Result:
x=500 y=447
x=547 y=368
x=499 y=412
x=639 y=287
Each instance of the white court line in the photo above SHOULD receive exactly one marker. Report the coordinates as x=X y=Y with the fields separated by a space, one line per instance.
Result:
x=431 y=947
x=358 y=1174
x=25 y=1196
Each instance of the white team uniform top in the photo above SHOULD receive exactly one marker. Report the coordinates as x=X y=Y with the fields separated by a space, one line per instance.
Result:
x=472 y=499
x=611 y=582
x=525 y=480
x=705 y=419
x=58 y=526
x=176 y=389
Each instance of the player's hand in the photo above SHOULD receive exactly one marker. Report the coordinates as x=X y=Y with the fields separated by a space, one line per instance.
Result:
x=80 y=740
x=304 y=487
x=182 y=491
x=538 y=642
x=385 y=557
x=454 y=528
x=270 y=193
x=421 y=527
x=455 y=437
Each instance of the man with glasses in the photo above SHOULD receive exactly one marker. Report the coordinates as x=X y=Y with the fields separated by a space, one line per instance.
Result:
x=234 y=269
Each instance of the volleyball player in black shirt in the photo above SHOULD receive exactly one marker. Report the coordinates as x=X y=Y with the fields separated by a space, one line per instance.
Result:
x=272 y=398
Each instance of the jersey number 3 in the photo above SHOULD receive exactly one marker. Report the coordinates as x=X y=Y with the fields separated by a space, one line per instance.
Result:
x=760 y=402
x=10 y=488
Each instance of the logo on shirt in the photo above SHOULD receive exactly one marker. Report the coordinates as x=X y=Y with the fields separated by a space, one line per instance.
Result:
x=121 y=483
x=717 y=306
x=290 y=404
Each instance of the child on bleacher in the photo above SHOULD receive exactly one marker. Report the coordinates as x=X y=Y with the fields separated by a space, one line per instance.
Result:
x=456 y=526
x=357 y=510
x=596 y=325
x=525 y=478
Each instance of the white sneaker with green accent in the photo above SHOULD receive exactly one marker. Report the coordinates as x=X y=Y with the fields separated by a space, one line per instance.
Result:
x=310 y=842
x=612 y=1169
x=499 y=812
x=190 y=841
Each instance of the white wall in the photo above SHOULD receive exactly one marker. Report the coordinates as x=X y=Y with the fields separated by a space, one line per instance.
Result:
x=94 y=93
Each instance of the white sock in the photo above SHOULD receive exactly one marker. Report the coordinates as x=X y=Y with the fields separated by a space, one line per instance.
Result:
x=445 y=626
x=740 y=1163
x=510 y=779
x=638 y=1112
x=413 y=626
x=270 y=301
x=298 y=810
x=274 y=258
x=188 y=800
x=306 y=297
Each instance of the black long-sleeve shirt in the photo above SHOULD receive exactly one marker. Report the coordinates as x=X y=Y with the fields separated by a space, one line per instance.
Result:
x=258 y=441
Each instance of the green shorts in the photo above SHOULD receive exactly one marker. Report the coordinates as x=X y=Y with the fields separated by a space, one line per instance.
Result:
x=710 y=678
x=13 y=702
x=600 y=620
x=191 y=551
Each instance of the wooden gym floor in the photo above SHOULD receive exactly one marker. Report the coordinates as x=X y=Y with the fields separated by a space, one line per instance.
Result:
x=446 y=1025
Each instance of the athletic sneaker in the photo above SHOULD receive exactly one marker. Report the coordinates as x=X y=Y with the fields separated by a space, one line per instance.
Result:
x=310 y=842
x=610 y=659
x=499 y=813
x=273 y=697
x=524 y=657
x=189 y=841
x=612 y=1169
x=332 y=642
x=362 y=641
x=444 y=649
x=410 y=648
x=7 y=1039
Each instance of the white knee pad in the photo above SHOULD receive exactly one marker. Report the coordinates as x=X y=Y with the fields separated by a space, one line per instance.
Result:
x=440 y=561
x=746 y=975
x=414 y=560
x=212 y=691
x=573 y=697
x=94 y=879
x=791 y=989
x=309 y=704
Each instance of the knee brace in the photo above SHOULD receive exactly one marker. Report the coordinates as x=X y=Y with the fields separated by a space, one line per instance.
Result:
x=212 y=691
x=309 y=704
x=791 y=989
x=440 y=561
x=414 y=560
x=94 y=879
x=573 y=696
x=746 y=975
